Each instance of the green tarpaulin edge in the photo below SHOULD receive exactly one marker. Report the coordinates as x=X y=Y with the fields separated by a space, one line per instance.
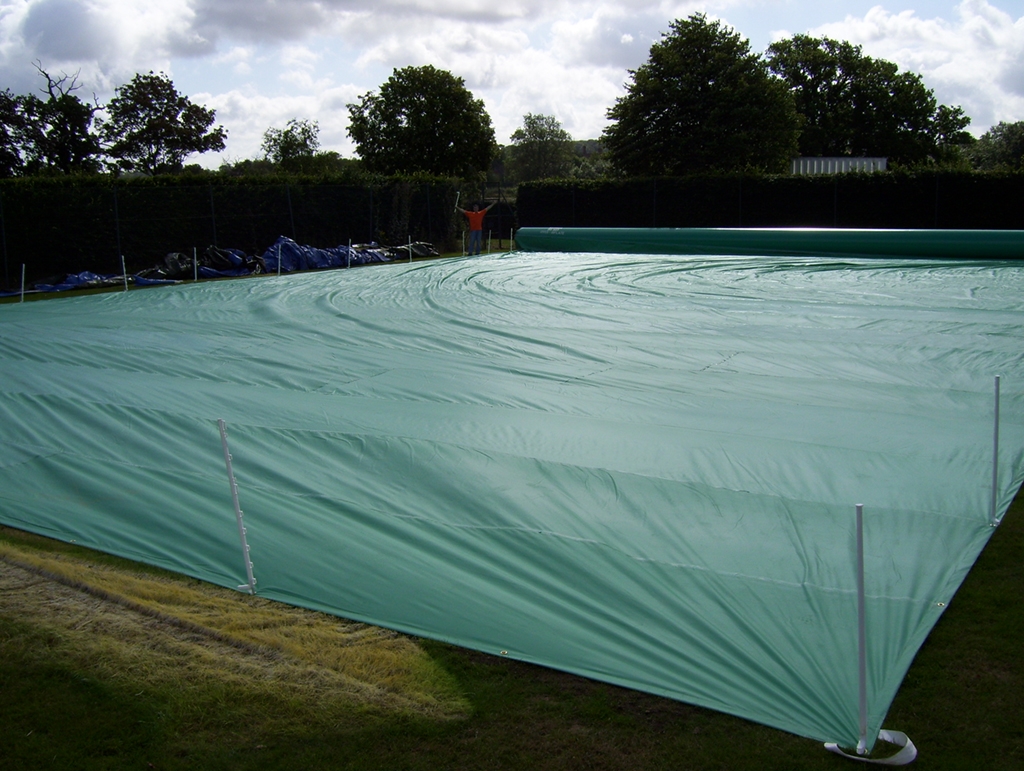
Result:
x=779 y=242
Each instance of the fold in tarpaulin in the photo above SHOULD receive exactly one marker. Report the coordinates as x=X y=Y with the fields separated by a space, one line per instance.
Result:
x=641 y=469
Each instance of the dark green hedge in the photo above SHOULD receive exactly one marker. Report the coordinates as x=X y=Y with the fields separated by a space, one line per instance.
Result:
x=56 y=226
x=961 y=200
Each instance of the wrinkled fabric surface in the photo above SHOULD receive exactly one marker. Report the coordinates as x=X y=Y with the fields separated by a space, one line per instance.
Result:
x=642 y=469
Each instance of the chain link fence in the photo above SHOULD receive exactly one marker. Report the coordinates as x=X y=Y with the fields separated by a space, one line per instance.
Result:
x=56 y=227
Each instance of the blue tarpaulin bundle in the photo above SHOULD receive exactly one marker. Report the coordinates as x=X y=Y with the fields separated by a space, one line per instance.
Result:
x=84 y=280
x=285 y=256
x=227 y=263
x=292 y=257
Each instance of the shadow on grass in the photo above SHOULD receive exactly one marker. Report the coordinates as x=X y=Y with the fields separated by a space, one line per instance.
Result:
x=961 y=703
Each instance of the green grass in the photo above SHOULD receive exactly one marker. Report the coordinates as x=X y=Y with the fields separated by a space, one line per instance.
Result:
x=217 y=691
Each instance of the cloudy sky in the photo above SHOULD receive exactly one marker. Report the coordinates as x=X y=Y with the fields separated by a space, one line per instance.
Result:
x=261 y=62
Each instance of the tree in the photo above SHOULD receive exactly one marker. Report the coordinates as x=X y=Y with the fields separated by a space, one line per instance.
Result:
x=57 y=134
x=701 y=102
x=12 y=128
x=855 y=105
x=298 y=139
x=293 y=148
x=151 y=128
x=540 y=148
x=999 y=148
x=422 y=120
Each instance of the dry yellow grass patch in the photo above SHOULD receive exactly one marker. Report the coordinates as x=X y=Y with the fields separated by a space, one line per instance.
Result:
x=153 y=630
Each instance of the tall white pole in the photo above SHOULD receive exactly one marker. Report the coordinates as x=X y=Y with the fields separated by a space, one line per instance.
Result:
x=195 y=265
x=862 y=657
x=22 y=283
x=348 y=255
x=995 y=461
x=124 y=274
x=410 y=248
x=279 y=259
x=251 y=585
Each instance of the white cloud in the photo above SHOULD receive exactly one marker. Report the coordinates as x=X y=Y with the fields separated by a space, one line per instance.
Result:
x=262 y=62
x=248 y=114
x=608 y=39
x=107 y=41
x=975 y=61
x=239 y=59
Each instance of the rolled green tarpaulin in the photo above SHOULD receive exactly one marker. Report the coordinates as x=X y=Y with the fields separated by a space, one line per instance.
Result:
x=779 y=242
x=638 y=468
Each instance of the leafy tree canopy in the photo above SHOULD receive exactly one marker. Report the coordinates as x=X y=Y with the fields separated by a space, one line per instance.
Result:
x=701 y=102
x=423 y=120
x=298 y=141
x=56 y=133
x=151 y=128
x=999 y=148
x=12 y=126
x=855 y=105
x=540 y=148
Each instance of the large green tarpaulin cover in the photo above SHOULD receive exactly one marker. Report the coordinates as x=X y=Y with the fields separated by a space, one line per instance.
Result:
x=638 y=468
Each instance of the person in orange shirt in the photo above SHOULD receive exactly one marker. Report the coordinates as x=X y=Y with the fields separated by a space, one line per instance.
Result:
x=476 y=226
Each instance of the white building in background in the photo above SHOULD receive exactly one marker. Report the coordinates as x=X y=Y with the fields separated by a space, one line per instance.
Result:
x=842 y=165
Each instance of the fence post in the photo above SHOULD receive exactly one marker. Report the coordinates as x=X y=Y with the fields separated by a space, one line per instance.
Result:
x=862 y=659
x=740 y=201
x=907 y=751
x=835 y=201
x=213 y=215
x=371 y=238
x=291 y=213
x=3 y=237
x=117 y=224
x=654 y=202
x=993 y=521
x=251 y=585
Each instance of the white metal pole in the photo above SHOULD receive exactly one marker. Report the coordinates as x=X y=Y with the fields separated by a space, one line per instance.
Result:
x=348 y=255
x=279 y=259
x=995 y=460
x=488 y=242
x=251 y=585
x=862 y=658
x=124 y=274
x=195 y=265
x=22 y=282
x=410 y=248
